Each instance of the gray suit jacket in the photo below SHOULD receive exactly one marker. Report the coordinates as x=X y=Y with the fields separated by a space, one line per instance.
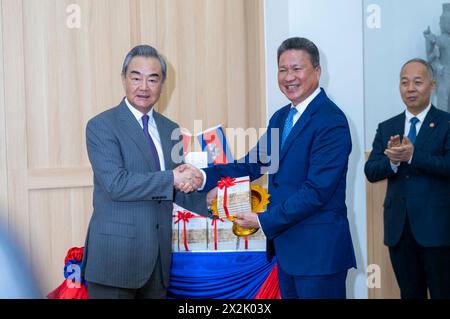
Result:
x=132 y=218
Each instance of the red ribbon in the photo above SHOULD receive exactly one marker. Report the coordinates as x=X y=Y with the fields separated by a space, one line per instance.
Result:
x=246 y=242
x=224 y=183
x=185 y=217
x=214 y=223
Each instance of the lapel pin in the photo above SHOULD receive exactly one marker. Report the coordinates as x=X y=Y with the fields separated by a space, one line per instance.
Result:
x=432 y=125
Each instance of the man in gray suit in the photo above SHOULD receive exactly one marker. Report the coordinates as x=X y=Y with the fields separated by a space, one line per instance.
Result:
x=130 y=147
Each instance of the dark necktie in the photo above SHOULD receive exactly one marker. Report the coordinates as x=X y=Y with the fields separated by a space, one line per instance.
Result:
x=288 y=125
x=153 y=150
x=412 y=130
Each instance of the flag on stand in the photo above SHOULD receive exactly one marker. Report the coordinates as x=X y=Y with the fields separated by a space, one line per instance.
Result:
x=213 y=141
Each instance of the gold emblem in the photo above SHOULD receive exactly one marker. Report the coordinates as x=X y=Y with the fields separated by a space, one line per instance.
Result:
x=259 y=200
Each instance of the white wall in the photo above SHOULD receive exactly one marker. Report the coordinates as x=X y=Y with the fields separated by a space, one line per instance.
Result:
x=276 y=23
x=386 y=49
x=337 y=30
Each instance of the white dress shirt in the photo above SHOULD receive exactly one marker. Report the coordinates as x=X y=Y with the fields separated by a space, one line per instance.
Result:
x=301 y=107
x=152 y=130
x=421 y=117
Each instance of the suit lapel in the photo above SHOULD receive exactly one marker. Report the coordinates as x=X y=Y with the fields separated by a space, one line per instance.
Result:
x=165 y=135
x=279 y=123
x=399 y=125
x=132 y=128
x=302 y=122
x=427 y=129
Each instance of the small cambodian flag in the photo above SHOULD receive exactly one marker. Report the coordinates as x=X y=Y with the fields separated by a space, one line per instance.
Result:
x=213 y=141
x=187 y=137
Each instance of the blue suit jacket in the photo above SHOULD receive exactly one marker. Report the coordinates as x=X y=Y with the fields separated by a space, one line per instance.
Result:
x=306 y=222
x=420 y=190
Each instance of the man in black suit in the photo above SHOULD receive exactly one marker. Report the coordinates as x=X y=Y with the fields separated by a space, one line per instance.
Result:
x=412 y=150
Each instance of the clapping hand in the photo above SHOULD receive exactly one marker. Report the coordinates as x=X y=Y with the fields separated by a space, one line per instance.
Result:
x=397 y=152
x=187 y=178
x=394 y=141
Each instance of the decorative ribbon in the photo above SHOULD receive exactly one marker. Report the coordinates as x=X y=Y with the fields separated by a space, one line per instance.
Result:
x=224 y=183
x=214 y=224
x=185 y=217
x=75 y=253
x=270 y=288
x=246 y=242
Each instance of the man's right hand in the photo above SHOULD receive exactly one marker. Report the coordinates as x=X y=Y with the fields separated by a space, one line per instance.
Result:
x=187 y=178
x=399 y=153
x=393 y=143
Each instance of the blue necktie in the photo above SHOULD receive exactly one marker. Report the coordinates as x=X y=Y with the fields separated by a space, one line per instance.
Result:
x=153 y=150
x=288 y=125
x=412 y=130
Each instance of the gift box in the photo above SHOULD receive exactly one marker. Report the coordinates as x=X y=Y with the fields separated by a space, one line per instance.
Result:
x=193 y=232
x=189 y=230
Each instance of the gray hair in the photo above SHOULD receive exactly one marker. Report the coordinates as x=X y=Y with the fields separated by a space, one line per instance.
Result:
x=424 y=63
x=148 y=52
x=303 y=44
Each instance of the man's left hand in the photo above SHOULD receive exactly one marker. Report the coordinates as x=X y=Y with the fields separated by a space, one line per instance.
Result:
x=402 y=153
x=408 y=148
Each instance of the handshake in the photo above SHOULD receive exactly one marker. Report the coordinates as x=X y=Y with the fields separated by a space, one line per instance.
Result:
x=187 y=178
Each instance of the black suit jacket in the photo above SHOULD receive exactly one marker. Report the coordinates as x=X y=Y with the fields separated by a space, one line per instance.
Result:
x=420 y=190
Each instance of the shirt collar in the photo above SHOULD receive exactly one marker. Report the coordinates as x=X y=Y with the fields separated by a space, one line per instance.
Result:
x=137 y=114
x=421 y=116
x=301 y=107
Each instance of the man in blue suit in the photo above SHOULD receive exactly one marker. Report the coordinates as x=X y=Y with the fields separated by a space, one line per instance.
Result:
x=417 y=203
x=306 y=222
